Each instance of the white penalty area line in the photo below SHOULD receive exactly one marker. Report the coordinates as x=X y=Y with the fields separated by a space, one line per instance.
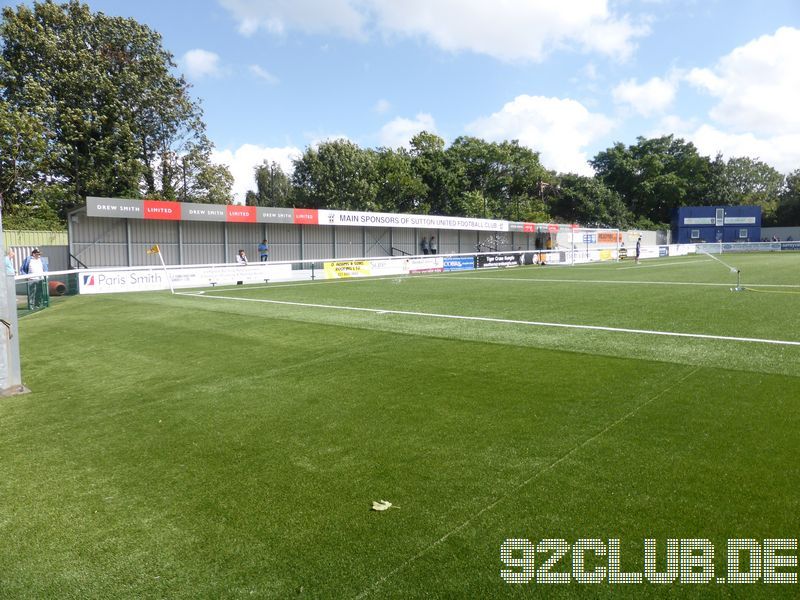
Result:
x=408 y=313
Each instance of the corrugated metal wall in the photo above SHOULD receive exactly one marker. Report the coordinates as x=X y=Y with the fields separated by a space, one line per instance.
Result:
x=102 y=242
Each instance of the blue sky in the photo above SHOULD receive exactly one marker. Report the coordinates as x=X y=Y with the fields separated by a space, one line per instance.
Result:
x=567 y=78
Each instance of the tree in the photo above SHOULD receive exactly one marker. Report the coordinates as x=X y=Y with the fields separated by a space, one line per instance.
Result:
x=22 y=145
x=440 y=174
x=397 y=187
x=587 y=200
x=752 y=182
x=273 y=187
x=337 y=174
x=100 y=94
x=788 y=211
x=655 y=176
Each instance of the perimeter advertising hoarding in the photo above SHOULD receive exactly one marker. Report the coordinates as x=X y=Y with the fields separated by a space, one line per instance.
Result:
x=487 y=261
x=100 y=281
x=343 y=269
x=459 y=263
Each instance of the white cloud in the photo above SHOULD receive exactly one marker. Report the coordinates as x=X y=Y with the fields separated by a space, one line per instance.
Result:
x=513 y=30
x=200 y=63
x=311 y=16
x=558 y=128
x=382 y=106
x=757 y=86
x=262 y=73
x=398 y=132
x=649 y=98
x=780 y=151
x=245 y=158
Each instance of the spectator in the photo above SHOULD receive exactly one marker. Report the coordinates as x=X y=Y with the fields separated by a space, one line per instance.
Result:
x=424 y=244
x=34 y=265
x=638 y=249
x=9 y=260
x=241 y=258
x=263 y=250
x=432 y=245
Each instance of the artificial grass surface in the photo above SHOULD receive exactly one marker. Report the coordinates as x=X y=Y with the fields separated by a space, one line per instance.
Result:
x=185 y=447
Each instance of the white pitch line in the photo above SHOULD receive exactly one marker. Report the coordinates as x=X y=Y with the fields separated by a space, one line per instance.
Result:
x=611 y=281
x=518 y=487
x=409 y=313
x=666 y=264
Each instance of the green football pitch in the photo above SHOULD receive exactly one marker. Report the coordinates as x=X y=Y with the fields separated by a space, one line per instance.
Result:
x=229 y=442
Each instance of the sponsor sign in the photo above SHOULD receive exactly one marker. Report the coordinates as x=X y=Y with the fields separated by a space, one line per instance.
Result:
x=381 y=267
x=306 y=216
x=142 y=280
x=608 y=237
x=204 y=212
x=240 y=214
x=699 y=221
x=434 y=264
x=370 y=219
x=161 y=210
x=663 y=250
x=347 y=268
x=486 y=261
x=190 y=211
x=740 y=220
x=459 y=263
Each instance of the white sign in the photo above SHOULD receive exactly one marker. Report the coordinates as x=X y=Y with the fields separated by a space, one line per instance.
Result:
x=110 y=281
x=699 y=221
x=740 y=220
x=370 y=219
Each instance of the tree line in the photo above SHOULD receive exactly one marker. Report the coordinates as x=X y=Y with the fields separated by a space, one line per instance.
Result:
x=89 y=106
x=634 y=186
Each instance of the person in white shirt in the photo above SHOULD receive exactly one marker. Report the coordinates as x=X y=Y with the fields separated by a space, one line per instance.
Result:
x=241 y=258
x=34 y=265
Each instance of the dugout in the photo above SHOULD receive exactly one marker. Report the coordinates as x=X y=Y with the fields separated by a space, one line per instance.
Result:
x=116 y=232
x=704 y=224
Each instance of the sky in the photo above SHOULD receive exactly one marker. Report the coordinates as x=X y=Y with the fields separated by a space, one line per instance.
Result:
x=567 y=78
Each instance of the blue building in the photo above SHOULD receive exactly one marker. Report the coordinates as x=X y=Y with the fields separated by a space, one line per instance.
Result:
x=694 y=224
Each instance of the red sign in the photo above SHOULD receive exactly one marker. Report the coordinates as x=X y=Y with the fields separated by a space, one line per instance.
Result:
x=306 y=216
x=240 y=214
x=529 y=227
x=163 y=210
x=552 y=228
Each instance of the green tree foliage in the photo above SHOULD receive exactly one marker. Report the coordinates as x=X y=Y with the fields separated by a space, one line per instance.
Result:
x=788 y=212
x=586 y=200
x=100 y=97
x=505 y=176
x=273 y=186
x=655 y=176
x=752 y=182
x=440 y=174
x=337 y=174
x=397 y=187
